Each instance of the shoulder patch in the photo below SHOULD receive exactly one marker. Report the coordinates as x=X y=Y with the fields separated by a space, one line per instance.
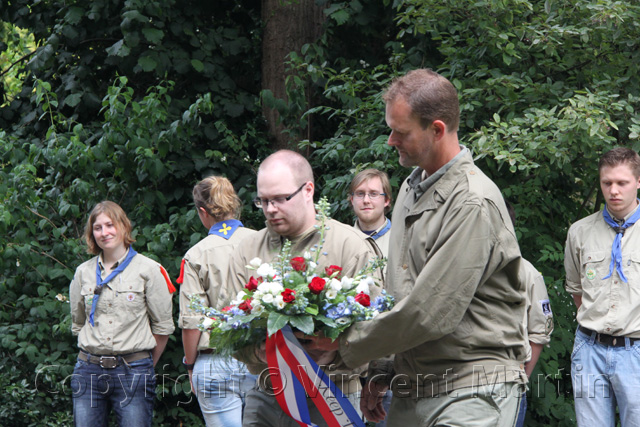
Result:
x=546 y=307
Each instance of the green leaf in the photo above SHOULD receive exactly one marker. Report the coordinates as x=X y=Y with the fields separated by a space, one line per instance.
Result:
x=118 y=49
x=197 y=65
x=276 y=321
x=312 y=309
x=153 y=35
x=73 y=99
x=147 y=63
x=303 y=323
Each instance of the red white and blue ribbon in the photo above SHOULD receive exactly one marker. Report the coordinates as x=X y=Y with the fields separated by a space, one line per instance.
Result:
x=294 y=376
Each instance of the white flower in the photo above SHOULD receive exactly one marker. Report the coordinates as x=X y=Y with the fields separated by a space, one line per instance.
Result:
x=267 y=298
x=255 y=263
x=279 y=302
x=275 y=288
x=335 y=284
x=363 y=286
x=312 y=266
x=207 y=322
x=265 y=270
x=331 y=293
x=239 y=297
x=307 y=255
x=342 y=320
x=257 y=308
x=347 y=283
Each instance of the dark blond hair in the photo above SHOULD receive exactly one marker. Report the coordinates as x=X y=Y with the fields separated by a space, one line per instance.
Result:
x=116 y=215
x=621 y=155
x=430 y=96
x=216 y=195
x=368 y=174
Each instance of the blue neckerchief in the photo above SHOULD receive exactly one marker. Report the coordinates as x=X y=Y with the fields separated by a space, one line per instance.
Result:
x=100 y=283
x=616 y=248
x=385 y=230
x=226 y=228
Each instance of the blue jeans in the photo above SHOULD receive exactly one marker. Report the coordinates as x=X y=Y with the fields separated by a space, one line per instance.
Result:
x=602 y=378
x=221 y=385
x=128 y=390
x=522 y=411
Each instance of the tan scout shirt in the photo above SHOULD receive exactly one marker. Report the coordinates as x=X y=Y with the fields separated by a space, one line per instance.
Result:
x=609 y=306
x=538 y=318
x=453 y=268
x=344 y=246
x=132 y=307
x=382 y=241
x=205 y=275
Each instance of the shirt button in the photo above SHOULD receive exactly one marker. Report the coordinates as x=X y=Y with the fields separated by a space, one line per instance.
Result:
x=108 y=339
x=615 y=282
x=405 y=266
x=346 y=343
x=110 y=322
x=130 y=287
x=588 y=257
x=608 y=329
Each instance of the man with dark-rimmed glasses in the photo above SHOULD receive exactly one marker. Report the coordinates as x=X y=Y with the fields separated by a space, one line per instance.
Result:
x=285 y=195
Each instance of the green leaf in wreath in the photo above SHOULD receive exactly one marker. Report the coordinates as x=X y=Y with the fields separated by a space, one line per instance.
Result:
x=327 y=321
x=303 y=323
x=312 y=309
x=332 y=333
x=276 y=322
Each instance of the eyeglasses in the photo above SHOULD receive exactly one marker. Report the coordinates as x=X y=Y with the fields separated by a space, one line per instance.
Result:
x=373 y=195
x=276 y=201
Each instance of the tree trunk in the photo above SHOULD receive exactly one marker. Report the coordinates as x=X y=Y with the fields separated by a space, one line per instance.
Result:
x=288 y=25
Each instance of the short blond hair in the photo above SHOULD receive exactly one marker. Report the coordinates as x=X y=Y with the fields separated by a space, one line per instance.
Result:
x=216 y=195
x=368 y=174
x=119 y=218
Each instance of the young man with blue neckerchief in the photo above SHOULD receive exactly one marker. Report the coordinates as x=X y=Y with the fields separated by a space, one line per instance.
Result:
x=602 y=263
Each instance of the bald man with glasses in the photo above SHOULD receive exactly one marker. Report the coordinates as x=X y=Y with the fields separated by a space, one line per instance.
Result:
x=285 y=195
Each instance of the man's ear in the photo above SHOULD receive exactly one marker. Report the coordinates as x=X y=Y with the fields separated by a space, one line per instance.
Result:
x=439 y=128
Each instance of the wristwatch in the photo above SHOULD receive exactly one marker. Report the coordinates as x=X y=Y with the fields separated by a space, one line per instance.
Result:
x=189 y=366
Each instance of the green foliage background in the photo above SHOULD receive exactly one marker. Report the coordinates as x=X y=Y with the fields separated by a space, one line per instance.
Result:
x=135 y=101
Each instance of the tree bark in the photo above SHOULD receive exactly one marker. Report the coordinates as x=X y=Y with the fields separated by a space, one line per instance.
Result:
x=288 y=25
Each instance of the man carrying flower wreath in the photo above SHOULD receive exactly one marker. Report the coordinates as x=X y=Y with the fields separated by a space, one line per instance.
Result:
x=457 y=327
x=285 y=194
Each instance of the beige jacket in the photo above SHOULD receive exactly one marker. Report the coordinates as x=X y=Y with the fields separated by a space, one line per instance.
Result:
x=344 y=246
x=131 y=308
x=609 y=306
x=453 y=268
x=205 y=275
x=538 y=316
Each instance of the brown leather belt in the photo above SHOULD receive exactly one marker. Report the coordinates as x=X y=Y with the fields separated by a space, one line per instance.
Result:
x=110 y=362
x=610 y=340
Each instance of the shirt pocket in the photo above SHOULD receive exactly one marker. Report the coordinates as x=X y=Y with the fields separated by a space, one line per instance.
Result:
x=594 y=268
x=87 y=293
x=631 y=269
x=130 y=295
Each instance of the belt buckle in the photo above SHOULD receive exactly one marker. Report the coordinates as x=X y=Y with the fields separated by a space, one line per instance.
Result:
x=108 y=362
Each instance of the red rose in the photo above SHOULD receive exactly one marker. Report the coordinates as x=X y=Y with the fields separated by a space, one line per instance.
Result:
x=252 y=285
x=317 y=285
x=288 y=295
x=363 y=299
x=246 y=305
x=298 y=263
x=227 y=308
x=333 y=269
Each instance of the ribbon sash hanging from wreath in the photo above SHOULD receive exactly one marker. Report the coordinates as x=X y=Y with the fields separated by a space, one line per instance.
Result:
x=294 y=375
